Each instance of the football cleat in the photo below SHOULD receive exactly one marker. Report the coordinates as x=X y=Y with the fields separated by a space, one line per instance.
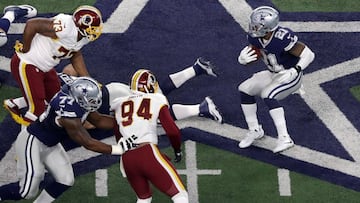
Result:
x=283 y=144
x=251 y=136
x=26 y=11
x=209 y=110
x=14 y=111
x=206 y=66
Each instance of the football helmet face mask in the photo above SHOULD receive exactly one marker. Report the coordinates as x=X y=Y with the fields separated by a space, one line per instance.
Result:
x=263 y=20
x=144 y=81
x=89 y=22
x=87 y=93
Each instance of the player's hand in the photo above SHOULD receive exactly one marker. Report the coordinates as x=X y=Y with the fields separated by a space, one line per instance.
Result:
x=247 y=55
x=18 y=46
x=286 y=76
x=178 y=155
x=128 y=143
x=124 y=145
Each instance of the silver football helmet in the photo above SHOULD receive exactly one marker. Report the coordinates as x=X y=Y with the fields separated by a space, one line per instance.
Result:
x=87 y=93
x=263 y=19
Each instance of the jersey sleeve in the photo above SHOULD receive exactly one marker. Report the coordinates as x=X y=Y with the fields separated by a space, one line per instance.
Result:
x=66 y=107
x=285 y=38
x=171 y=129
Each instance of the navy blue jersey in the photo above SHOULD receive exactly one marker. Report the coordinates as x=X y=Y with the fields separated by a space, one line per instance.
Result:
x=275 y=51
x=46 y=128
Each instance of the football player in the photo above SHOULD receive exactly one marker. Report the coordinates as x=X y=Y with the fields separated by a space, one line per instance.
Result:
x=286 y=57
x=11 y=13
x=46 y=41
x=38 y=146
x=137 y=116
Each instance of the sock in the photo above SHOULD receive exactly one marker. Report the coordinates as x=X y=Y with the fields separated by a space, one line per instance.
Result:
x=44 y=197
x=177 y=79
x=278 y=117
x=250 y=113
x=4 y=24
x=10 y=15
x=20 y=102
x=54 y=190
x=182 y=111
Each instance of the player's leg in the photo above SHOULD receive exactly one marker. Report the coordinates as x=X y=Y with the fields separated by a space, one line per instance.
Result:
x=52 y=84
x=165 y=177
x=207 y=109
x=20 y=11
x=59 y=166
x=175 y=80
x=30 y=169
x=30 y=81
x=134 y=168
x=272 y=94
x=10 y=14
x=248 y=90
x=5 y=22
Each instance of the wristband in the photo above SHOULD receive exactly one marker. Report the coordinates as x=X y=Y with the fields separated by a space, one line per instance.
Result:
x=116 y=150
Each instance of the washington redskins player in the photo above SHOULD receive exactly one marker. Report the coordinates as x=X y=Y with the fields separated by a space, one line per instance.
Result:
x=46 y=41
x=137 y=117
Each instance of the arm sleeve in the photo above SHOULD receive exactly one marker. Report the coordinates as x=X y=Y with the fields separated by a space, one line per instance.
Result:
x=170 y=127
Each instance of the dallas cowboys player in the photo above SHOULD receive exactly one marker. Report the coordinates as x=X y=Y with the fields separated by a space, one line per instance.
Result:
x=286 y=58
x=38 y=146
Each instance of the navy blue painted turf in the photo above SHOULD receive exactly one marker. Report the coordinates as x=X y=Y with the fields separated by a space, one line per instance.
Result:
x=169 y=35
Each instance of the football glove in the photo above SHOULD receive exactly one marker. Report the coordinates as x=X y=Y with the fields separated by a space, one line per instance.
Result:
x=287 y=75
x=247 y=55
x=124 y=145
x=178 y=155
x=18 y=46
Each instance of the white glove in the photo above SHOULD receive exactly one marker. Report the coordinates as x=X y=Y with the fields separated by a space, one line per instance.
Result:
x=287 y=75
x=247 y=55
x=124 y=145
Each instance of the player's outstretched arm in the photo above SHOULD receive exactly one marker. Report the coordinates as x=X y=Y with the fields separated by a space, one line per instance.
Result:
x=102 y=121
x=79 y=134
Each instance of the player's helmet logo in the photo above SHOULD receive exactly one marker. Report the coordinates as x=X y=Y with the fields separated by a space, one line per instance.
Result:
x=144 y=81
x=263 y=19
x=88 y=19
x=87 y=93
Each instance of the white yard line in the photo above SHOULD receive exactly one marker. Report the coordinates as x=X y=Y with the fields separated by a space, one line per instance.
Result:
x=101 y=183
x=284 y=182
x=192 y=171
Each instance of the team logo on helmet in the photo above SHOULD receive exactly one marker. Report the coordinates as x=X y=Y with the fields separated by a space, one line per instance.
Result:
x=144 y=80
x=87 y=93
x=263 y=19
x=88 y=19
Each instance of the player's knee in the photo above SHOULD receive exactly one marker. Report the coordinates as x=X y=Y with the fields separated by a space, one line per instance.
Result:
x=147 y=200
x=181 y=197
x=243 y=87
x=68 y=180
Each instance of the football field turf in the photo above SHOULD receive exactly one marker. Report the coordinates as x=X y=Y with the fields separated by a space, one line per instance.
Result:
x=167 y=35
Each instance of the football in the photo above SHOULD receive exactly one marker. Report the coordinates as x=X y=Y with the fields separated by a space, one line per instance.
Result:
x=257 y=52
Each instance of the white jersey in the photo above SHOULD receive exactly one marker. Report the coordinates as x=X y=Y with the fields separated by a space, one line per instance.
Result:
x=45 y=52
x=138 y=114
x=116 y=90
